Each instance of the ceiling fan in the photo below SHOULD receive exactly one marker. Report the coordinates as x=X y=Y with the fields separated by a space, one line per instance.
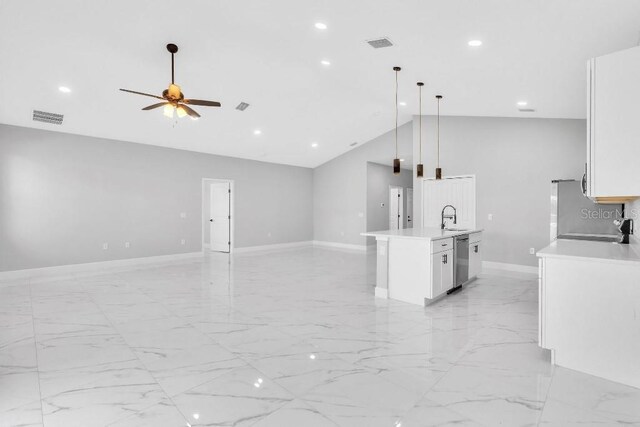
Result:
x=173 y=99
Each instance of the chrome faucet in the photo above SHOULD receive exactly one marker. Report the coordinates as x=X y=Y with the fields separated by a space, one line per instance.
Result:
x=443 y=216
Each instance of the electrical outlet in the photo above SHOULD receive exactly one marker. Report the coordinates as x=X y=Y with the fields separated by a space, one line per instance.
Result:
x=105 y=246
x=183 y=241
x=532 y=251
x=490 y=217
x=127 y=245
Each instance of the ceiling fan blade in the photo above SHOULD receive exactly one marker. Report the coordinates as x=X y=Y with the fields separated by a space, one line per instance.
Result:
x=159 y=104
x=201 y=102
x=141 y=93
x=190 y=111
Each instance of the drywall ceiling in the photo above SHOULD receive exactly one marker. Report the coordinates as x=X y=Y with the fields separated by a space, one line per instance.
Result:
x=268 y=53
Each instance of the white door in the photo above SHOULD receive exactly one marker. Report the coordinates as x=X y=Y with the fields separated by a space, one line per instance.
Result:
x=409 y=207
x=460 y=192
x=395 y=208
x=220 y=221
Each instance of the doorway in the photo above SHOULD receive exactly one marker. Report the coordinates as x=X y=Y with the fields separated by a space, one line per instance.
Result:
x=396 y=205
x=217 y=215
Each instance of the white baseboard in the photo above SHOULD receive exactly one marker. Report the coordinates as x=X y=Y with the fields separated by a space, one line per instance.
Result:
x=509 y=267
x=336 y=245
x=277 y=246
x=94 y=266
x=382 y=292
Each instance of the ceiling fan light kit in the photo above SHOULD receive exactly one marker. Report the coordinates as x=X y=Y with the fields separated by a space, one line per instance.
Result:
x=396 y=161
x=420 y=167
x=174 y=102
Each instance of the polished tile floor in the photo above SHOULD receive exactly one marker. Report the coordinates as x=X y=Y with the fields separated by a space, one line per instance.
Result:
x=292 y=338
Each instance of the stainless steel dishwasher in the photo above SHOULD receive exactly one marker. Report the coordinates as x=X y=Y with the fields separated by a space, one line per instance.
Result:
x=461 y=261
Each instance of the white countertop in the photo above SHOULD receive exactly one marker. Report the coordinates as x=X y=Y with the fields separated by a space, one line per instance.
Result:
x=428 y=233
x=597 y=251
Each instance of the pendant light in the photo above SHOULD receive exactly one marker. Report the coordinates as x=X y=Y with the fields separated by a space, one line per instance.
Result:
x=420 y=168
x=438 y=170
x=396 y=161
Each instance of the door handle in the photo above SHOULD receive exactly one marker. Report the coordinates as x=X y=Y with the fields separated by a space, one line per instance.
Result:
x=210 y=220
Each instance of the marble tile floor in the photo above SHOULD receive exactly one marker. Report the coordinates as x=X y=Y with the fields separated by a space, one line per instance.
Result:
x=290 y=338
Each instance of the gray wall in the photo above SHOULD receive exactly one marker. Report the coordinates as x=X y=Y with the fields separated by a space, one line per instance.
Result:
x=340 y=188
x=62 y=196
x=514 y=161
x=379 y=178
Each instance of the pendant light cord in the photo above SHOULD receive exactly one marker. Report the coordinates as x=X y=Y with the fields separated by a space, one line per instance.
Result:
x=438 y=132
x=396 y=114
x=420 y=123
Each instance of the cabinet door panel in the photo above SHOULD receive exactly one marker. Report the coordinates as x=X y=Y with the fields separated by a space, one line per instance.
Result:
x=447 y=271
x=436 y=274
x=614 y=126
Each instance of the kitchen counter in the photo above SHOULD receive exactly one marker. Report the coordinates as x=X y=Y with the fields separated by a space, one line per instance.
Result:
x=430 y=233
x=594 y=251
x=589 y=300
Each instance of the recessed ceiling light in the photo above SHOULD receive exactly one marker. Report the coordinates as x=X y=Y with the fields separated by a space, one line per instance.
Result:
x=475 y=43
x=257 y=132
x=321 y=25
x=325 y=62
x=522 y=103
x=64 y=89
x=402 y=104
x=314 y=145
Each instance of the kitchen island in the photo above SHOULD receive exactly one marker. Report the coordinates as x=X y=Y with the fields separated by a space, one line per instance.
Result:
x=589 y=308
x=418 y=265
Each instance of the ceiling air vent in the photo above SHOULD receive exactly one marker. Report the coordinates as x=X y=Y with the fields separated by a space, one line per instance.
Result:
x=242 y=106
x=526 y=110
x=43 y=116
x=380 y=43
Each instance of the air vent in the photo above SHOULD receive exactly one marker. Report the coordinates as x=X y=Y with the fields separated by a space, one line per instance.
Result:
x=242 y=106
x=526 y=110
x=380 y=43
x=353 y=144
x=43 y=116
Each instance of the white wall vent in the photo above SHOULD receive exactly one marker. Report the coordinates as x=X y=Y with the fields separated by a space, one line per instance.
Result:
x=43 y=116
x=242 y=106
x=380 y=43
x=526 y=110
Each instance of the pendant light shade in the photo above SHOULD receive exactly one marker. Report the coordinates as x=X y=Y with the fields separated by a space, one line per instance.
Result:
x=438 y=169
x=420 y=167
x=396 y=161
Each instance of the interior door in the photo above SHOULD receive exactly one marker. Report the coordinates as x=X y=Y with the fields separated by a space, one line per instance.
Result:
x=409 y=213
x=220 y=221
x=395 y=208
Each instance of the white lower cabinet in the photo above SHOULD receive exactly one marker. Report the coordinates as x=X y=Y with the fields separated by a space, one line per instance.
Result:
x=475 y=259
x=441 y=272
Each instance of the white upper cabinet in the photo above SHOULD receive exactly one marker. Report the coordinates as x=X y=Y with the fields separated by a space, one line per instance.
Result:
x=613 y=130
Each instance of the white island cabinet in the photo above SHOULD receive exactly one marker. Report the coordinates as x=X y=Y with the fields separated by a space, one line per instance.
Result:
x=589 y=308
x=417 y=265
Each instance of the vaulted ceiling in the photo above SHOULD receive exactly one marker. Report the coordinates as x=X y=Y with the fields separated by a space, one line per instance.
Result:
x=269 y=53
